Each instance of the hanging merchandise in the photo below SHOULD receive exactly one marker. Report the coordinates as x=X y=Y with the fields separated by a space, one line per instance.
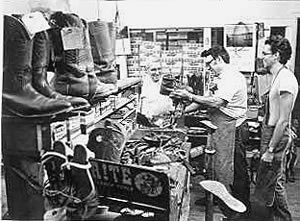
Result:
x=19 y=97
x=74 y=68
x=35 y=22
x=102 y=37
x=72 y=38
x=122 y=38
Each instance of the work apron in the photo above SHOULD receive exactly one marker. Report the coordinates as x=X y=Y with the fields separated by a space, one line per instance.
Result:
x=223 y=140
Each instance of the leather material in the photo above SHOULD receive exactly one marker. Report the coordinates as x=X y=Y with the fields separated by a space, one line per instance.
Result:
x=84 y=187
x=40 y=60
x=19 y=97
x=167 y=85
x=107 y=142
x=75 y=73
x=71 y=72
x=103 y=37
x=112 y=28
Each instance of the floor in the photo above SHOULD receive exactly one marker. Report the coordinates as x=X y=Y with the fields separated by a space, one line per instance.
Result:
x=197 y=212
x=293 y=193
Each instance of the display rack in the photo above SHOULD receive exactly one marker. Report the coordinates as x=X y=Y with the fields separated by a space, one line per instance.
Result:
x=25 y=140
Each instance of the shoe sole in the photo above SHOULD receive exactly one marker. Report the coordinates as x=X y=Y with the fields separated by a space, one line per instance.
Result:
x=219 y=190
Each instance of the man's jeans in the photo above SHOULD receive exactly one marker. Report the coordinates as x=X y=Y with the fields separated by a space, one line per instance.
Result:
x=241 y=182
x=270 y=188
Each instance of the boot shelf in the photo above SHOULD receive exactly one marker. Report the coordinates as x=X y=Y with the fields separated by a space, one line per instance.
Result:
x=128 y=82
x=83 y=122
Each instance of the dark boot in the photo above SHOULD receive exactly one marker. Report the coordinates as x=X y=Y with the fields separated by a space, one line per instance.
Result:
x=74 y=68
x=57 y=187
x=103 y=42
x=19 y=97
x=103 y=88
x=40 y=59
x=111 y=144
x=86 y=205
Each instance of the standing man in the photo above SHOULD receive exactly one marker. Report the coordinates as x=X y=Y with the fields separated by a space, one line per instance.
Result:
x=275 y=134
x=227 y=108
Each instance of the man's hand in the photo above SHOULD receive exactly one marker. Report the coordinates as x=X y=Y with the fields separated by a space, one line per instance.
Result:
x=181 y=93
x=268 y=157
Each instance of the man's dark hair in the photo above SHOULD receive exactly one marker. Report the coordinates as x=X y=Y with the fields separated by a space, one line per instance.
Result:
x=217 y=51
x=282 y=46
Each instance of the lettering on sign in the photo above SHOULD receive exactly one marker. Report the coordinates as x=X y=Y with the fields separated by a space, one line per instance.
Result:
x=123 y=178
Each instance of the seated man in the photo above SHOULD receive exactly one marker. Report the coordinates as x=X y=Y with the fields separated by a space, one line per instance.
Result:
x=153 y=103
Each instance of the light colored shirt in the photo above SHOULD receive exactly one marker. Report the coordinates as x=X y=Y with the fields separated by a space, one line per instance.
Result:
x=153 y=103
x=285 y=81
x=232 y=87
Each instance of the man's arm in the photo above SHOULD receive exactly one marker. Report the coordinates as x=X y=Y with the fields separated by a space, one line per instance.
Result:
x=210 y=101
x=192 y=107
x=285 y=106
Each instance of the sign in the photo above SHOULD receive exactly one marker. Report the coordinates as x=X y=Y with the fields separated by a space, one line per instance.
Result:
x=123 y=41
x=240 y=42
x=132 y=183
x=72 y=38
x=35 y=22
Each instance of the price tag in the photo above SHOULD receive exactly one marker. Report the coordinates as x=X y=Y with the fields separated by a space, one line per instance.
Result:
x=35 y=22
x=72 y=38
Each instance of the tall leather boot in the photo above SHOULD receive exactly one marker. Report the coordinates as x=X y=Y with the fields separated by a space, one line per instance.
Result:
x=40 y=58
x=74 y=68
x=19 y=97
x=112 y=29
x=103 y=88
x=84 y=188
x=101 y=34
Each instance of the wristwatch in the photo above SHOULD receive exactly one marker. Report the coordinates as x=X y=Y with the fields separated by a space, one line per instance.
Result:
x=191 y=98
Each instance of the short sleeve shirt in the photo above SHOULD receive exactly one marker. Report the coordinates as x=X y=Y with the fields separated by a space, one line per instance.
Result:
x=285 y=81
x=232 y=87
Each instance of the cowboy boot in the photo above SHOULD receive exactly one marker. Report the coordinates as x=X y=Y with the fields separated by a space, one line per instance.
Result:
x=19 y=97
x=83 y=184
x=74 y=67
x=103 y=88
x=107 y=142
x=101 y=34
x=40 y=58
x=58 y=176
x=112 y=29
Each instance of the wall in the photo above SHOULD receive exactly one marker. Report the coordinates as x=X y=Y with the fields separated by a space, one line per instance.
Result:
x=176 y=13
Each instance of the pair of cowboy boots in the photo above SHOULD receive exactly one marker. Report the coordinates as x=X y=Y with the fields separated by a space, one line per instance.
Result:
x=74 y=67
x=69 y=190
x=24 y=71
